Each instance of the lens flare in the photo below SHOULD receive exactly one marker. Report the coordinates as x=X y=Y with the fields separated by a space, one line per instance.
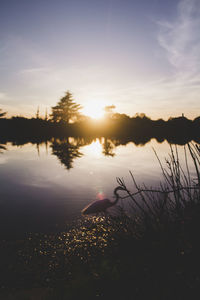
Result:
x=100 y=195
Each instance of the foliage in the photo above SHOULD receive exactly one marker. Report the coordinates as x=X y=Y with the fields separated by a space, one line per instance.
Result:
x=2 y=114
x=66 y=110
x=109 y=110
x=140 y=129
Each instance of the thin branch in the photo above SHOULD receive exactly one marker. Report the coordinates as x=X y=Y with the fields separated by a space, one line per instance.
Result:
x=160 y=191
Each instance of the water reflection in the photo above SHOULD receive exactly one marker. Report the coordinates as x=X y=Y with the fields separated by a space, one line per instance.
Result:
x=108 y=147
x=38 y=194
x=2 y=148
x=67 y=151
x=109 y=143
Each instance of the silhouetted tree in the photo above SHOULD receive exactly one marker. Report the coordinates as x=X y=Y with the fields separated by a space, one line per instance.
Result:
x=109 y=110
x=141 y=116
x=120 y=117
x=2 y=114
x=66 y=110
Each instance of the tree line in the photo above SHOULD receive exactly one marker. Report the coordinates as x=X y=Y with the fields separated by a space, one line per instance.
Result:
x=66 y=120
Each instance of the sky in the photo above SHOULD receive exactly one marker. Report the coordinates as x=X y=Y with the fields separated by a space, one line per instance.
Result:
x=143 y=56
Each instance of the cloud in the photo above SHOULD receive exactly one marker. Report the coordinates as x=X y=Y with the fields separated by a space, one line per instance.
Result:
x=2 y=96
x=33 y=71
x=181 y=40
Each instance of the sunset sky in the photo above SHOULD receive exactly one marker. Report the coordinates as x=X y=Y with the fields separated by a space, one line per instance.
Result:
x=143 y=56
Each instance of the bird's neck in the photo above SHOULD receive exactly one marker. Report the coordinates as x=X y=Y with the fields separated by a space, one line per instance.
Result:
x=116 y=200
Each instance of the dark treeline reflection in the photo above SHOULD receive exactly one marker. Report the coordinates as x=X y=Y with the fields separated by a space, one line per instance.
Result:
x=2 y=148
x=108 y=147
x=68 y=149
x=139 y=129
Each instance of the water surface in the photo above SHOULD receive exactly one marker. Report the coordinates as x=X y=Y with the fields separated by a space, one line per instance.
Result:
x=43 y=186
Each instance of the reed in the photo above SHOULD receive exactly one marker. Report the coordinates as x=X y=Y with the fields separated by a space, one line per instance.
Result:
x=177 y=193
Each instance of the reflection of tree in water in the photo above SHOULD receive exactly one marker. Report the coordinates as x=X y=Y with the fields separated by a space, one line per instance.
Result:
x=108 y=147
x=67 y=150
x=2 y=148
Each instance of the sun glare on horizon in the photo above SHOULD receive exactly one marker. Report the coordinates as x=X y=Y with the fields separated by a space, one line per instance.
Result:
x=94 y=110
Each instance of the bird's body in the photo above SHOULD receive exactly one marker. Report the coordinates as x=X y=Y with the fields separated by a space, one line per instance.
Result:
x=97 y=206
x=101 y=205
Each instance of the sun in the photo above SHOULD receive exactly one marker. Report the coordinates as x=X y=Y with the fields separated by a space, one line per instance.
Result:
x=94 y=110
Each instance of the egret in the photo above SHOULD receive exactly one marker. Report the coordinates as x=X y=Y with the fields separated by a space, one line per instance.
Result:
x=102 y=205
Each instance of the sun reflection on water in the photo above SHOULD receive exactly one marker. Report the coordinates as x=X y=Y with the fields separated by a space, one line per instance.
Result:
x=90 y=236
x=94 y=149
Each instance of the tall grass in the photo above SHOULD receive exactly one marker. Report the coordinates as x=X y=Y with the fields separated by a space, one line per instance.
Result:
x=177 y=194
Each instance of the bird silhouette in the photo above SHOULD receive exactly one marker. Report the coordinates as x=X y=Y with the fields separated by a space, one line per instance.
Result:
x=101 y=205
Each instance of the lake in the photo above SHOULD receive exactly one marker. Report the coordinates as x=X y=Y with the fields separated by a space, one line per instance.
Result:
x=44 y=186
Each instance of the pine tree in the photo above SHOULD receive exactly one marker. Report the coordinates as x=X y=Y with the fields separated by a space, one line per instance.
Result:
x=66 y=110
